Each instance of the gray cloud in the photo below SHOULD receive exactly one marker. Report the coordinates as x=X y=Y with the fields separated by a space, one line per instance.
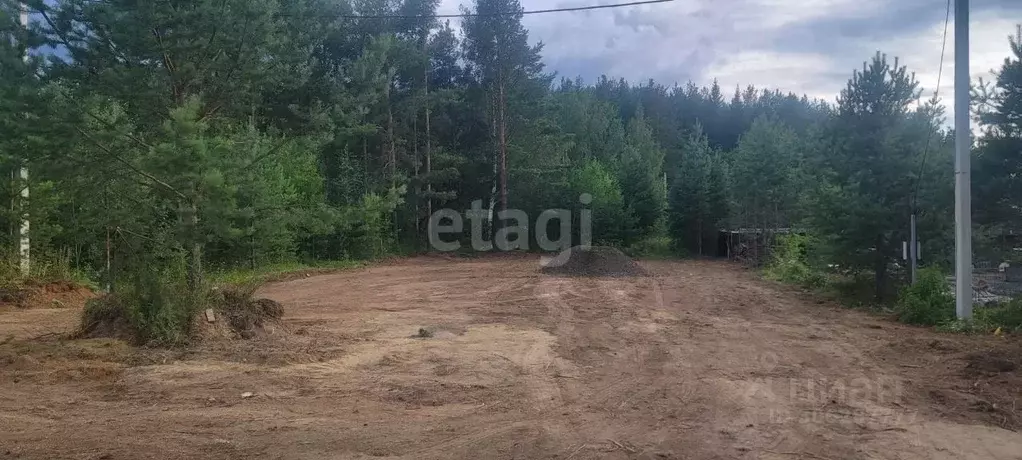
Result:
x=841 y=33
x=803 y=46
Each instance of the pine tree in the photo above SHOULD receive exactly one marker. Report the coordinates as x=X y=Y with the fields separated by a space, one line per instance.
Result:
x=998 y=166
x=503 y=63
x=861 y=207
x=691 y=210
x=642 y=179
x=766 y=165
x=23 y=111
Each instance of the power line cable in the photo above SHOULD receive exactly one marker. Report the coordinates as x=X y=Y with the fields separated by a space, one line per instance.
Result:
x=936 y=92
x=507 y=13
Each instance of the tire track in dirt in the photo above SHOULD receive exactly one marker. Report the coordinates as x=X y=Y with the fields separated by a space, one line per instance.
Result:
x=616 y=332
x=793 y=389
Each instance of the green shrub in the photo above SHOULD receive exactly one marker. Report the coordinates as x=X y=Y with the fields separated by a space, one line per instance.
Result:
x=152 y=306
x=158 y=308
x=789 y=263
x=928 y=302
x=163 y=309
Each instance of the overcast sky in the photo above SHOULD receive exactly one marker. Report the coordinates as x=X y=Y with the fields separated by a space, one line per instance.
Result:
x=804 y=46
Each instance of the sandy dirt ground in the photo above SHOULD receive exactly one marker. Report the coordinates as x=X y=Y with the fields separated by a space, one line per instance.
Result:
x=433 y=358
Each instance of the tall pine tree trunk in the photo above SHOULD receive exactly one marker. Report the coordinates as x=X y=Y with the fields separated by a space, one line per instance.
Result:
x=415 y=162
x=191 y=218
x=392 y=155
x=495 y=196
x=880 y=269
x=365 y=164
x=699 y=235
x=493 y=120
x=429 y=145
x=503 y=149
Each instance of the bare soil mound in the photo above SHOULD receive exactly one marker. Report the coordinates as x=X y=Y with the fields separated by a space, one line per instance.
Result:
x=246 y=316
x=991 y=362
x=57 y=294
x=592 y=261
x=106 y=317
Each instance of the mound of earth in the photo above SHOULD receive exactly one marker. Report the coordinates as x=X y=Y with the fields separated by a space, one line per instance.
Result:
x=991 y=362
x=244 y=315
x=592 y=261
x=56 y=294
x=234 y=314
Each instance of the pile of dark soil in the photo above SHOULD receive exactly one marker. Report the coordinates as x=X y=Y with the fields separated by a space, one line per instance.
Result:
x=106 y=317
x=991 y=362
x=245 y=315
x=592 y=261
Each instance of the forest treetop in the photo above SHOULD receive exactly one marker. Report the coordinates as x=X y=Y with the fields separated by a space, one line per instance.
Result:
x=225 y=133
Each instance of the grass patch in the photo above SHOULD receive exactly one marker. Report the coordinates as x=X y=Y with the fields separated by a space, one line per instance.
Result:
x=59 y=267
x=966 y=326
x=1007 y=316
x=45 y=269
x=244 y=277
x=986 y=319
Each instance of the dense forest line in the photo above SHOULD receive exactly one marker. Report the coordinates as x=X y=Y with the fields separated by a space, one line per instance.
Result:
x=168 y=138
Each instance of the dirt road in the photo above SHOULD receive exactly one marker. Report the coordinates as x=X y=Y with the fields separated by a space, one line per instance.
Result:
x=701 y=360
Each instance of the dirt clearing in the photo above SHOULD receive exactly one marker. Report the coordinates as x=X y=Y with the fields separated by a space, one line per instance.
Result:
x=490 y=359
